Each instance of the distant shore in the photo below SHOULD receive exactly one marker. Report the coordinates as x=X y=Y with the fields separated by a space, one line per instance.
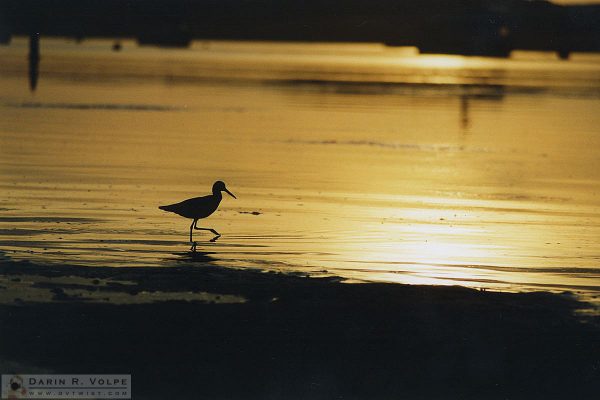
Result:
x=216 y=333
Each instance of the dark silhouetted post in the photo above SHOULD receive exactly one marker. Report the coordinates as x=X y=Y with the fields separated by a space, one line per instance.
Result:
x=34 y=59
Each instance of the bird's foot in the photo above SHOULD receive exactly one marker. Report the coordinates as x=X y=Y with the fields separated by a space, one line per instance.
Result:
x=215 y=238
x=193 y=248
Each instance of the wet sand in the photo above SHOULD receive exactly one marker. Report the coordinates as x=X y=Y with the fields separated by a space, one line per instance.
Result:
x=271 y=335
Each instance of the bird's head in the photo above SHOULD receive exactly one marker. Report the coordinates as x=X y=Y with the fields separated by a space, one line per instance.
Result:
x=219 y=186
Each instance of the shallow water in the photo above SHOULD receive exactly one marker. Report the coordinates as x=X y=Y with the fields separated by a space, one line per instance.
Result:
x=369 y=163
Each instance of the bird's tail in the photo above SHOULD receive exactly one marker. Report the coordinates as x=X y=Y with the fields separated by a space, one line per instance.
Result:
x=167 y=208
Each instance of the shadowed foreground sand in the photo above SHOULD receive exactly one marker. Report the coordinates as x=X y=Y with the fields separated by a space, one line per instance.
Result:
x=274 y=336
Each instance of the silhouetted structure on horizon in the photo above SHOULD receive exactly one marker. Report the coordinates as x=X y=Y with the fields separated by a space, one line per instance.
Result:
x=467 y=27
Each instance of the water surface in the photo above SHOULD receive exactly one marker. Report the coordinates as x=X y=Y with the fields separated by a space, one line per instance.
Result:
x=369 y=163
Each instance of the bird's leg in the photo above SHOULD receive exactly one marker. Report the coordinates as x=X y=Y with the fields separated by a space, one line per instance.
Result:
x=192 y=226
x=204 y=229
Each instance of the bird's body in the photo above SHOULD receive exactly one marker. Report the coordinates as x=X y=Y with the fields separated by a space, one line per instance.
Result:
x=196 y=208
x=199 y=207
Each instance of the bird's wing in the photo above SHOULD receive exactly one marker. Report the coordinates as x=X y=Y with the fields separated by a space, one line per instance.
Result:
x=197 y=201
x=197 y=207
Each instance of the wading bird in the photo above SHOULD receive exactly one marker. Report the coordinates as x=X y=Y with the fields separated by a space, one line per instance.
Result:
x=200 y=207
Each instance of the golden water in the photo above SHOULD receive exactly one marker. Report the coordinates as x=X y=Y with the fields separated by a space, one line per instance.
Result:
x=364 y=162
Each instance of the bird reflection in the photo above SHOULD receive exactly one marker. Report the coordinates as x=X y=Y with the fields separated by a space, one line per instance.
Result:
x=196 y=256
x=195 y=244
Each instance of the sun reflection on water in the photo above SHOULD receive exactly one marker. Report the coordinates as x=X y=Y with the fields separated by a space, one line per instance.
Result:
x=380 y=181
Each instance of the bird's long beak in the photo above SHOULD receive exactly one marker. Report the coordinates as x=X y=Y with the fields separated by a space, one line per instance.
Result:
x=229 y=193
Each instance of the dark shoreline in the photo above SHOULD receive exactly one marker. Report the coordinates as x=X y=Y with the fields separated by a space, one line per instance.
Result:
x=300 y=338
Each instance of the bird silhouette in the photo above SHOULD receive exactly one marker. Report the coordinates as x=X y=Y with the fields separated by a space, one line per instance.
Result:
x=200 y=207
